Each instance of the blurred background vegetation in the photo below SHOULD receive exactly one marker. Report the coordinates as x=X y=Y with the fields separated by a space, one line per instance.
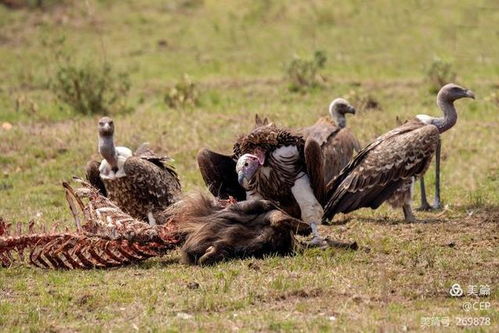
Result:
x=187 y=74
x=176 y=72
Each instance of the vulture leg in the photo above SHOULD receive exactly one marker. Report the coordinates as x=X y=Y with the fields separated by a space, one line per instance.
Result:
x=311 y=209
x=408 y=215
x=425 y=206
x=436 y=203
x=219 y=174
x=310 y=193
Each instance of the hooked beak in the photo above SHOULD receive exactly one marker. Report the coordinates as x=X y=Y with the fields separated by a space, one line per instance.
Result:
x=106 y=127
x=470 y=94
x=241 y=178
x=351 y=109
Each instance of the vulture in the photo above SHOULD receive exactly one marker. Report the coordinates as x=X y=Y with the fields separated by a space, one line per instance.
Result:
x=141 y=184
x=386 y=168
x=270 y=163
x=337 y=142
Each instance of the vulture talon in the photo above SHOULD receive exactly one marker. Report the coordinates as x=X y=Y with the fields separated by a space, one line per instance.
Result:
x=317 y=241
x=425 y=207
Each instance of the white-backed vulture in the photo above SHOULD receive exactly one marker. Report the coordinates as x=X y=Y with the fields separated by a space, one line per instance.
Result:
x=390 y=163
x=337 y=142
x=141 y=184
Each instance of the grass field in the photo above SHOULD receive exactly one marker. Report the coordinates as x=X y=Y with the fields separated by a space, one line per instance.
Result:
x=236 y=53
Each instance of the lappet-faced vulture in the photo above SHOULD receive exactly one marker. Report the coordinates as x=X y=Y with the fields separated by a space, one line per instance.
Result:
x=141 y=184
x=390 y=163
x=337 y=142
x=273 y=164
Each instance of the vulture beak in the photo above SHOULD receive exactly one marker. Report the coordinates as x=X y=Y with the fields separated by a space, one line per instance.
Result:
x=241 y=178
x=106 y=127
x=470 y=94
x=351 y=109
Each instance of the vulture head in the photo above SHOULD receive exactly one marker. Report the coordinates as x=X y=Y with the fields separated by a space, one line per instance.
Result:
x=247 y=165
x=338 y=108
x=451 y=92
x=106 y=126
x=114 y=157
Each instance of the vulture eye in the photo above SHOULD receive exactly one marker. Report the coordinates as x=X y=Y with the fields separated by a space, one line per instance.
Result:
x=246 y=164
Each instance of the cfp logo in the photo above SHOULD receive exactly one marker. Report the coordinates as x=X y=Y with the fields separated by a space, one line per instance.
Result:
x=456 y=290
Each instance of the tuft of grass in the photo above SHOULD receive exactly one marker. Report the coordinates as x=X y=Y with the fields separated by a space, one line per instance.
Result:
x=363 y=101
x=31 y=4
x=185 y=93
x=439 y=73
x=91 y=89
x=303 y=74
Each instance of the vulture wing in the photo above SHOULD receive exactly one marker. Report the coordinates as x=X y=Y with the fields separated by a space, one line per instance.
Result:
x=338 y=152
x=151 y=182
x=315 y=168
x=93 y=176
x=219 y=174
x=381 y=167
x=146 y=153
x=321 y=131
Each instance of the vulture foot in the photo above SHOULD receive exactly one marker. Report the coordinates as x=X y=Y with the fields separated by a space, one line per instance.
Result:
x=408 y=215
x=437 y=204
x=317 y=241
x=426 y=207
x=325 y=243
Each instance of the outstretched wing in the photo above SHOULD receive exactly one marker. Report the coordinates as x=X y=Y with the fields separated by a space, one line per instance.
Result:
x=381 y=167
x=152 y=183
x=92 y=174
x=219 y=174
x=315 y=168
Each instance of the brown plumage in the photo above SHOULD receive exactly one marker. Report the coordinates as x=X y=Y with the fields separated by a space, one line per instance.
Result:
x=142 y=184
x=337 y=145
x=382 y=167
x=271 y=163
x=392 y=161
x=150 y=185
x=337 y=142
x=274 y=185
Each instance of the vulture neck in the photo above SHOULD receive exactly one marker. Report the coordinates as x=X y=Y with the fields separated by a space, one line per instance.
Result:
x=107 y=150
x=339 y=119
x=450 y=115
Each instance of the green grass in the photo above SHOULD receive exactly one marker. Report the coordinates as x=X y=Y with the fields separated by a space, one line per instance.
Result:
x=236 y=52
